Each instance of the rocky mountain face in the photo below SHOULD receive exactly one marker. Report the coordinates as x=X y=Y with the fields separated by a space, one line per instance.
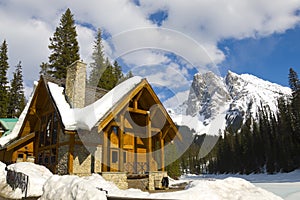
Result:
x=230 y=99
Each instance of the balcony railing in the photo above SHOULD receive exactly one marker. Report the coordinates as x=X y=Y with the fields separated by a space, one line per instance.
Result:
x=136 y=167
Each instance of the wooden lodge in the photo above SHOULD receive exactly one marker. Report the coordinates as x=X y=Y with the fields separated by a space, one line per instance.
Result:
x=123 y=132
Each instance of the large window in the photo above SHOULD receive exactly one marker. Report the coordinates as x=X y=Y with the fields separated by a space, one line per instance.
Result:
x=48 y=137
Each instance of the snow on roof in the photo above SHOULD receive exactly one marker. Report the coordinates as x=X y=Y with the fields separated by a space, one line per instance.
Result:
x=86 y=118
x=15 y=132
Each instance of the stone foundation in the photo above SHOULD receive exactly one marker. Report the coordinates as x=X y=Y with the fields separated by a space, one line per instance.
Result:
x=62 y=165
x=155 y=179
x=82 y=162
x=118 y=178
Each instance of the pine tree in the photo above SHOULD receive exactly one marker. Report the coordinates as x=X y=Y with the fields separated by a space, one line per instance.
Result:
x=117 y=73
x=44 y=68
x=294 y=81
x=111 y=76
x=98 y=65
x=295 y=86
x=173 y=168
x=3 y=79
x=64 y=46
x=16 y=95
x=106 y=80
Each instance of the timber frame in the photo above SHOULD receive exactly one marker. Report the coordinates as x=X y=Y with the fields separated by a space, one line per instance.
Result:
x=135 y=132
x=130 y=137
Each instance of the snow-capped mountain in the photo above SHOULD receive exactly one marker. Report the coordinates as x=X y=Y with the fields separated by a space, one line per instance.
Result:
x=215 y=102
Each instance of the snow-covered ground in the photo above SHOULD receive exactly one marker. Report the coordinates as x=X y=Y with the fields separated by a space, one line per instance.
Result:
x=38 y=175
x=285 y=185
x=43 y=183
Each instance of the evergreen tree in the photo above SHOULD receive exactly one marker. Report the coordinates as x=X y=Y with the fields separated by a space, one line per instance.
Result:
x=173 y=168
x=3 y=79
x=44 y=69
x=64 y=46
x=117 y=73
x=294 y=81
x=127 y=76
x=106 y=80
x=111 y=76
x=98 y=65
x=16 y=95
x=295 y=86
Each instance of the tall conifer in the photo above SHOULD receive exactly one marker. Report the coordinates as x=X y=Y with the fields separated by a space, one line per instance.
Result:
x=3 y=79
x=64 y=46
x=98 y=65
x=16 y=95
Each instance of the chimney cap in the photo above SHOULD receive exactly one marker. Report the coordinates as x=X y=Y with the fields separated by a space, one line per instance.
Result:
x=77 y=61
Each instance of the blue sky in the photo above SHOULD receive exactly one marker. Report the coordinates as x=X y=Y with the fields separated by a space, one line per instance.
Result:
x=163 y=41
x=269 y=58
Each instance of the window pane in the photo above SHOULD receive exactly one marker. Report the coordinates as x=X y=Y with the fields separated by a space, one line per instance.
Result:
x=114 y=156
x=40 y=158
x=42 y=138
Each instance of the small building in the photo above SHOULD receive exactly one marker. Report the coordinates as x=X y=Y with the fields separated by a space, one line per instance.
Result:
x=6 y=125
x=123 y=133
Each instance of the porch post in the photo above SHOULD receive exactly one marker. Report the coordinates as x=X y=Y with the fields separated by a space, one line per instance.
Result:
x=135 y=158
x=149 y=145
x=105 y=151
x=162 y=149
x=71 y=153
x=121 y=142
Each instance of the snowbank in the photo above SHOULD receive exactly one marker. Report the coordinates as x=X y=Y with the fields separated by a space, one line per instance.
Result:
x=92 y=187
x=229 y=188
x=52 y=187
x=76 y=188
x=37 y=177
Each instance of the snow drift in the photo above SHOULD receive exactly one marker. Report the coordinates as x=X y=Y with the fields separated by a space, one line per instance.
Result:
x=37 y=177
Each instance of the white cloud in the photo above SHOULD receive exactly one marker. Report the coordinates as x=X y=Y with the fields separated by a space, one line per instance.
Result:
x=191 y=30
x=85 y=42
x=145 y=57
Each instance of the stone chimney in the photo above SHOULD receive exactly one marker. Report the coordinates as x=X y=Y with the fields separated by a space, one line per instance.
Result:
x=75 y=84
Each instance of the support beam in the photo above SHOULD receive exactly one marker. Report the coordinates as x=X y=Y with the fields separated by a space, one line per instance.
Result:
x=166 y=132
x=121 y=143
x=136 y=99
x=149 y=143
x=137 y=111
x=135 y=159
x=105 y=151
x=71 y=154
x=162 y=149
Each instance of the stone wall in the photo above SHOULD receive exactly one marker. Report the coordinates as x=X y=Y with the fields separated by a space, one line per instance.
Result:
x=155 y=178
x=63 y=137
x=62 y=164
x=82 y=163
x=75 y=84
x=118 y=178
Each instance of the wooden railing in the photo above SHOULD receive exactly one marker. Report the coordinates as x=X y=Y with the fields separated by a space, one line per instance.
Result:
x=136 y=167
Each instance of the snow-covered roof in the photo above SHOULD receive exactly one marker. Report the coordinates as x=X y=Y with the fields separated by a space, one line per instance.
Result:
x=86 y=118
x=77 y=118
x=15 y=132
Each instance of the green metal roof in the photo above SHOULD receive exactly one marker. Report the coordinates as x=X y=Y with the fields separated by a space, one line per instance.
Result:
x=8 y=124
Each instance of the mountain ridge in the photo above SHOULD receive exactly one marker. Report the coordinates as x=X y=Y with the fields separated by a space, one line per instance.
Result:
x=216 y=102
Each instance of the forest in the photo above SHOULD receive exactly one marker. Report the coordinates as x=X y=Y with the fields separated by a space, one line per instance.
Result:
x=268 y=144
